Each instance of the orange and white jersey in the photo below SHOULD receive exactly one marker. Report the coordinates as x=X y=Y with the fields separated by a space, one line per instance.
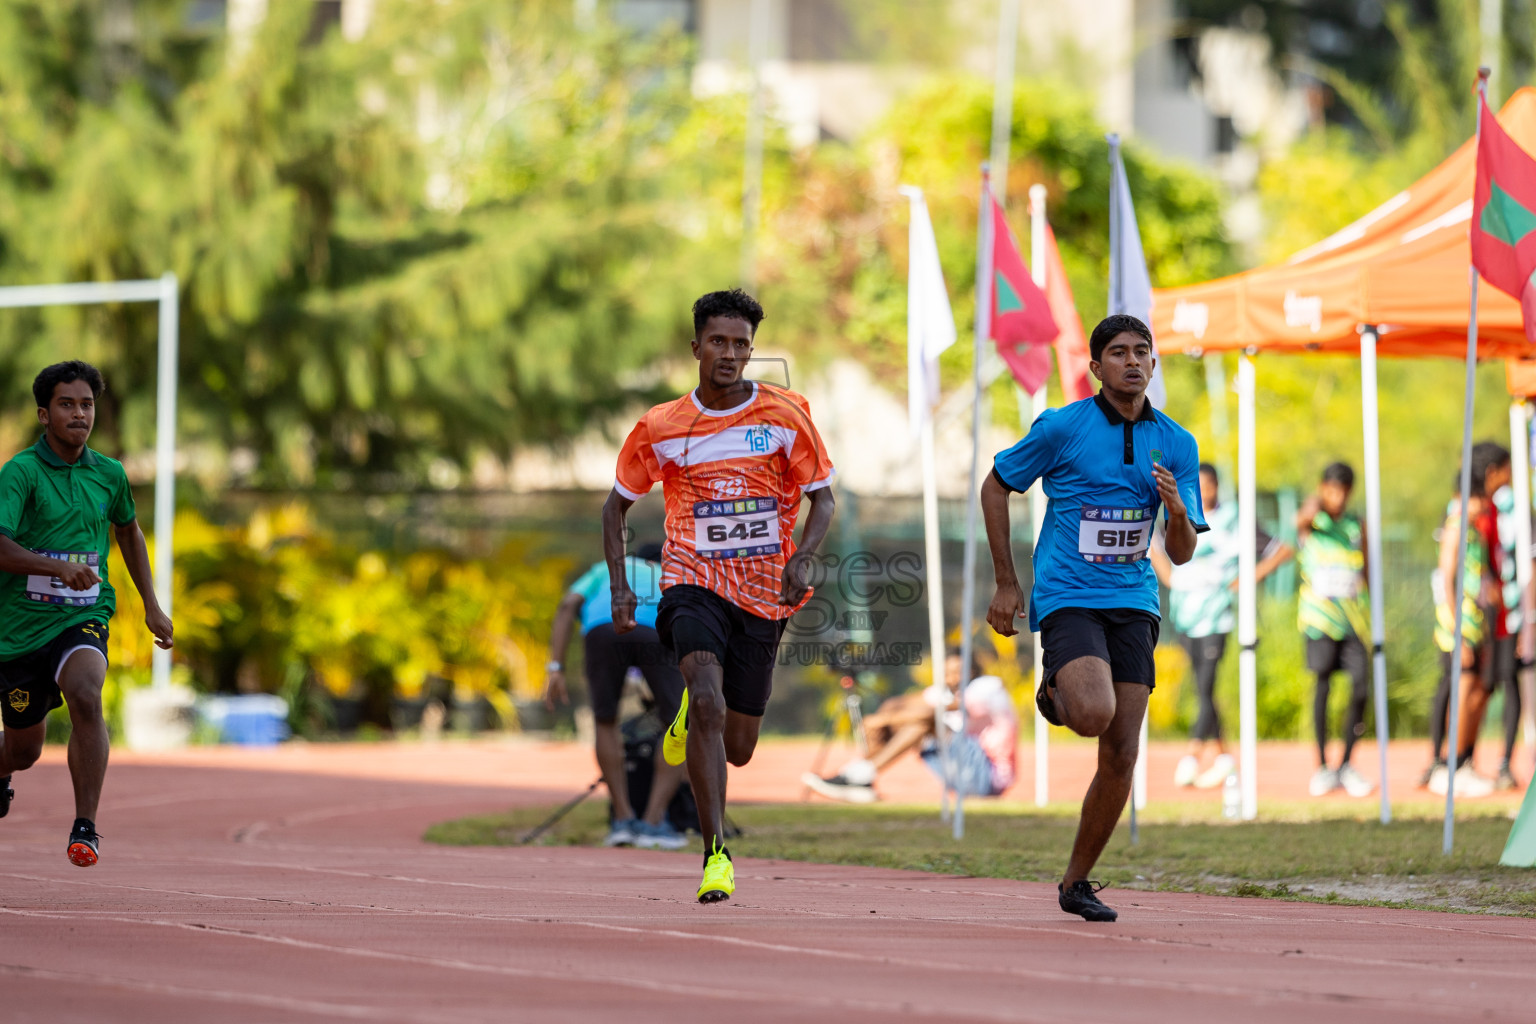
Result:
x=732 y=479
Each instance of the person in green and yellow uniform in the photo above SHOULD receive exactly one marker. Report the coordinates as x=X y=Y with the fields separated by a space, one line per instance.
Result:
x=57 y=500
x=1332 y=615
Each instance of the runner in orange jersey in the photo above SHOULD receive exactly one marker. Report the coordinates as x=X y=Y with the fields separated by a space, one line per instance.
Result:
x=734 y=457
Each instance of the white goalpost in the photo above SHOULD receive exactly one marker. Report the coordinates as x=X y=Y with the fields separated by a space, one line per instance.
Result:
x=163 y=291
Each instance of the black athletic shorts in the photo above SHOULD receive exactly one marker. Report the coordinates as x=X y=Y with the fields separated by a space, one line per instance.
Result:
x=1325 y=654
x=691 y=618
x=1122 y=637
x=611 y=655
x=29 y=685
x=1499 y=666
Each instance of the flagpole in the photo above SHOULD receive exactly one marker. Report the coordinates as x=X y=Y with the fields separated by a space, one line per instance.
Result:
x=968 y=591
x=1039 y=404
x=1117 y=305
x=1453 y=736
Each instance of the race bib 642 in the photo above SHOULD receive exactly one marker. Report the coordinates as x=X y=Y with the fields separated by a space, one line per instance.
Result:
x=742 y=528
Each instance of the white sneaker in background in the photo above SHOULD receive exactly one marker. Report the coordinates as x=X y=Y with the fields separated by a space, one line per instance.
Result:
x=1324 y=781
x=1217 y=774
x=1471 y=784
x=859 y=772
x=1439 y=779
x=1186 y=770
x=1355 y=784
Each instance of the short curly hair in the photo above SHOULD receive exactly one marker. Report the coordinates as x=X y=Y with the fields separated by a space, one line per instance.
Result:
x=1110 y=328
x=735 y=303
x=66 y=373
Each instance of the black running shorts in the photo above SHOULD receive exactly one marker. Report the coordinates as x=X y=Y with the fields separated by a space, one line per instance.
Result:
x=29 y=685
x=610 y=656
x=1123 y=638
x=1326 y=655
x=691 y=618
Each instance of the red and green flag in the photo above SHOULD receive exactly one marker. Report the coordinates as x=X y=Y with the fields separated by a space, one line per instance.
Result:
x=1504 y=216
x=1022 y=324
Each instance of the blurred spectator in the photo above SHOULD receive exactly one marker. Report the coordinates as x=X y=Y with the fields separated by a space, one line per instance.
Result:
x=1485 y=638
x=985 y=754
x=1331 y=613
x=1202 y=597
x=609 y=657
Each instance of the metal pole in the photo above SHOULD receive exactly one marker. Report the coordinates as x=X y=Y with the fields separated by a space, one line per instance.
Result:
x=1247 y=591
x=165 y=465
x=1378 y=594
x=935 y=576
x=1002 y=94
x=1453 y=736
x=983 y=332
x=1039 y=404
x=752 y=173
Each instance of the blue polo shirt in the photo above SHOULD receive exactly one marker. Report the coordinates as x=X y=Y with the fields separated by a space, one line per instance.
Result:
x=1096 y=468
x=597 y=598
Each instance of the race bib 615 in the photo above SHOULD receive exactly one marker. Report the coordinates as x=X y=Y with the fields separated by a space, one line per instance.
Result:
x=1113 y=535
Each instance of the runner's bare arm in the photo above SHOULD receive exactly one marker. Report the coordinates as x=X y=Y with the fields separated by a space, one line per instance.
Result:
x=792 y=588
x=17 y=559
x=1008 y=603
x=615 y=534
x=1180 y=539
x=559 y=643
x=130 y=542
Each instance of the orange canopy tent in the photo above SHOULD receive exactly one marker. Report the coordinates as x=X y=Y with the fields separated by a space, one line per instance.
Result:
x=1401 y=267
x=1394 y=282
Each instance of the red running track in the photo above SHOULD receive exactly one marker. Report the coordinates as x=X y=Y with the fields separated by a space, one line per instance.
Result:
x=250 y=895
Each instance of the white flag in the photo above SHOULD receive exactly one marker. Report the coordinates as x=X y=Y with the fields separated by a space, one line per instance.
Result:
x=930 y=321
x=1130 y=286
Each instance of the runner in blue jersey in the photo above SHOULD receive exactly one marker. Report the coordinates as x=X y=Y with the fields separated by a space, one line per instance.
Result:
x=1107 y=464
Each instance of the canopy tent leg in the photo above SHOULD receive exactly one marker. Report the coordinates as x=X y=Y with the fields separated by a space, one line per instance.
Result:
x=1371 y=424
x=1247 y=603
x=1453 y=724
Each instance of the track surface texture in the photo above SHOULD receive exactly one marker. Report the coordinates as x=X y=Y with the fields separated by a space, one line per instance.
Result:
x=246 y=894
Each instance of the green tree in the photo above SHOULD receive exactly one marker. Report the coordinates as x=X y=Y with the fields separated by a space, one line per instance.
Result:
x=453 y=237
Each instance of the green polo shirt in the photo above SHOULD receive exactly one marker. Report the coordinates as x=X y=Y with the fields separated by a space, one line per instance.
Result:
x=62 y=511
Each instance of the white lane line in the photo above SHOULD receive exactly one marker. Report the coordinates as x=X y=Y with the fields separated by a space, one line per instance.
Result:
x=575 y=980
x=343 y=1010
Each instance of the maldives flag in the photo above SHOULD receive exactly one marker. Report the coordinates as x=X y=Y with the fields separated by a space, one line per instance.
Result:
x=1022 y=324
x=1072 y=356
x=1504 y=216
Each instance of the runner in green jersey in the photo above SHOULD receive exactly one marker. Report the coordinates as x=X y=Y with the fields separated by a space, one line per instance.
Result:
x=57 y=499
x=1332 y=616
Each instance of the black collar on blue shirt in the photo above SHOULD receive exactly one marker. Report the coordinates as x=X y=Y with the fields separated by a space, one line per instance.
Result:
x=1148 y=415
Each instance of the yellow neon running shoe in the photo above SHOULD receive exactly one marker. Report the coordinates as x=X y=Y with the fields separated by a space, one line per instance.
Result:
x=719 y=876
x=674 y=746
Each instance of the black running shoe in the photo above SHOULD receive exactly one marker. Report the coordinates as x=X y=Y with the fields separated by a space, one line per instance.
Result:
x=1080 y=899
x=7 y=794
x=1047 y=705
x=84 y=846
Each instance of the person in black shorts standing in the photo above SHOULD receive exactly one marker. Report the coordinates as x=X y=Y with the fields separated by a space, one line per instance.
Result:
x=57 y=500
x=609 y=658
x=1107 y=463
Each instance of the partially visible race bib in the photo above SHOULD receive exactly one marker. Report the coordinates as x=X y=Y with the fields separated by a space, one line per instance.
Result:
x=1114 y=534
x=742 y=528
x=1335 y=582
x=51 y=589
